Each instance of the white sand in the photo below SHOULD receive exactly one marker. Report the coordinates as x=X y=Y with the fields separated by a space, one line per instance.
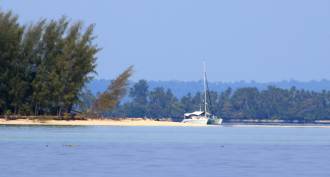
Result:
x=96 y=122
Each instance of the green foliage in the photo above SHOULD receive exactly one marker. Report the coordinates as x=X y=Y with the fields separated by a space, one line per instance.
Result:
x=243 y=103
x=43 y=66
x=139 y=94
x=10 y=37
x=86 y=101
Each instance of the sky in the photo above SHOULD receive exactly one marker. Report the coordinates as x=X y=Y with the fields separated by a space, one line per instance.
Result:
x=260 y=40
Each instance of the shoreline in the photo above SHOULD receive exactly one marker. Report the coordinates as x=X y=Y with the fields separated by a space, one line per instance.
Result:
x=277 y=126
x=98 y=122
x=144 y=122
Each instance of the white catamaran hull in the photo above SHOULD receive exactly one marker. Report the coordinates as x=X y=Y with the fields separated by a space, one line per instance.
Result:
x=196 y=121
x=215 y=121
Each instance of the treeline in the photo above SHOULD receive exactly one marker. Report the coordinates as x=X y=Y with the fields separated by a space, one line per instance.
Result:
x=243 y=103
x=44 y=65
x=181 y=88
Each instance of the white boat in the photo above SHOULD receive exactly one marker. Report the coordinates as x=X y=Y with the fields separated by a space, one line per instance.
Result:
x=202 y=117
x=197 y=117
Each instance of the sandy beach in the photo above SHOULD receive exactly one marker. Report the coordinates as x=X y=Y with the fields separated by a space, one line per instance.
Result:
x=139 y=122
x=97 y=122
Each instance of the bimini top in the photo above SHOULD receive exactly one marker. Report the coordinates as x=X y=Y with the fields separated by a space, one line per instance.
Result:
x=196 y=113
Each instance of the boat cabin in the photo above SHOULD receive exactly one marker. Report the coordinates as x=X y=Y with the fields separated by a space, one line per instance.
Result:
x=196 y=114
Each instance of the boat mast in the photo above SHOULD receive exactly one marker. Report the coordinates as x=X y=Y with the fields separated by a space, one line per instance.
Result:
x=205 y=91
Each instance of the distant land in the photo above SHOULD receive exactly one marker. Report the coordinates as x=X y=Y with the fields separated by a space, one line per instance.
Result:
x=181 y=88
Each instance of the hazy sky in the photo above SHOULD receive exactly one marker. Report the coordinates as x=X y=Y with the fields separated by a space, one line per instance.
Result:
x=262 y=40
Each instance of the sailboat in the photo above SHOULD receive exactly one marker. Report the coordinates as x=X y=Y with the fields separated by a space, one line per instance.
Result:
x=202 y=117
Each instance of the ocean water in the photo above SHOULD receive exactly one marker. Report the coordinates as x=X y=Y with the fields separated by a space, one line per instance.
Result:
x=50 y=151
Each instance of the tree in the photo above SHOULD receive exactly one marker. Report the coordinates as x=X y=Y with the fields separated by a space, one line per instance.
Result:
x=245 y=102
x=106 y=101
x=43 y=66
x=139 y=94
x=10 y=69
x=186 y=102
x=86 y=100
x=163 y=104
x=68 y=57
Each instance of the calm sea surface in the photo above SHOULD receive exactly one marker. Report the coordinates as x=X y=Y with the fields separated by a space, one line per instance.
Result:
x=37 y=151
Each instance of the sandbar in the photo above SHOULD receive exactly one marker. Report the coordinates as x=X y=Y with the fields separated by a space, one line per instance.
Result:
x=97 y=122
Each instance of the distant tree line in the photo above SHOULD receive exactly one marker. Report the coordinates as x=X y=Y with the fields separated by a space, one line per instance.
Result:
x=181 y=88
x=45 y=66
x=243 y=103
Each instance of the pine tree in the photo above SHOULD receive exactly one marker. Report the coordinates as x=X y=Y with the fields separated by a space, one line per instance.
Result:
x=10 y=77
x=106 y=101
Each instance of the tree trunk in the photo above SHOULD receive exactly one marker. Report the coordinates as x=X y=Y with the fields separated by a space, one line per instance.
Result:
x=36 y=109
